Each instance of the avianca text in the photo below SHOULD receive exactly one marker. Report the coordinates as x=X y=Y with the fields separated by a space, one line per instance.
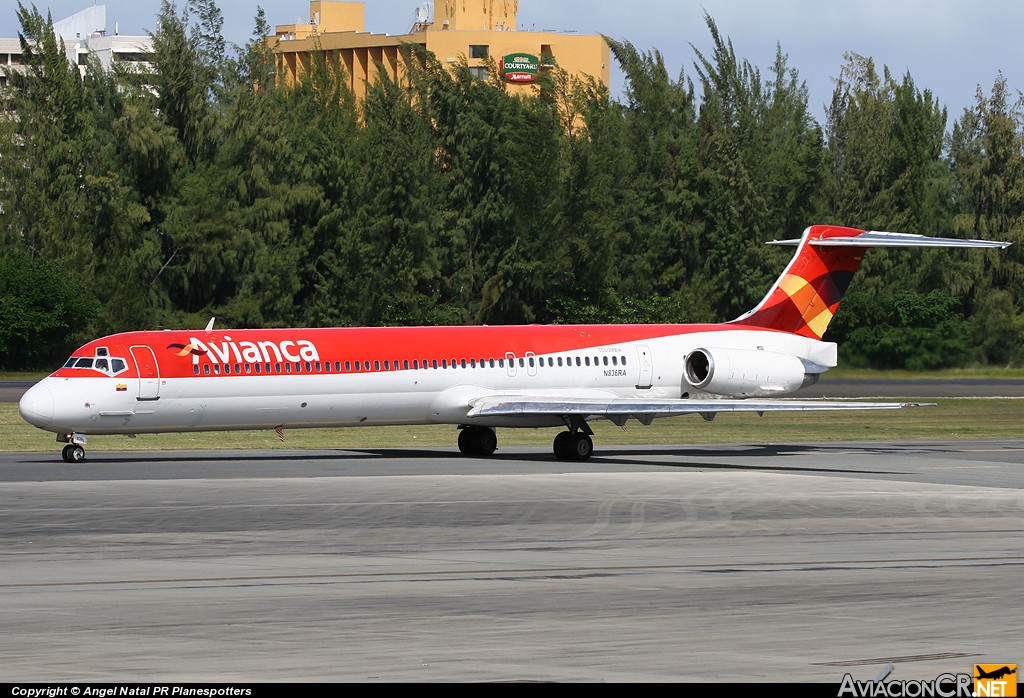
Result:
x=228 y=351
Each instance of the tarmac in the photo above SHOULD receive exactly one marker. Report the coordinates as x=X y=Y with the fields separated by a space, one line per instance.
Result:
x=736 y=563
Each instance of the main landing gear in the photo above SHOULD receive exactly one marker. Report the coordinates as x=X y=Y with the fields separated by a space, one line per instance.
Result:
x=73 y=453
x=477 y=441
x=574 y=444
x=571 y=445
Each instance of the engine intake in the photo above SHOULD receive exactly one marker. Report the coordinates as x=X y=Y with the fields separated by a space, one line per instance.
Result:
x=740 y=373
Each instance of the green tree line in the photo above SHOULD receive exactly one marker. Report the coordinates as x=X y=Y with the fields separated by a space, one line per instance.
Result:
x=207 y=188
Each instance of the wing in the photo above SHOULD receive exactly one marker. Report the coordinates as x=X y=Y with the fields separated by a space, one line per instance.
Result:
x=619 y=410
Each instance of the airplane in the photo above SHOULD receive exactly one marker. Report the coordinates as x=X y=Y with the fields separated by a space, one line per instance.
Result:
x=476 y=378
x=996 y=674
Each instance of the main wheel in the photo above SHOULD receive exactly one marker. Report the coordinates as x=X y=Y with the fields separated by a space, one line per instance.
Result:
x=466 y=441
x=582 y=447
x=477 y=441
x=563 y=445
x=569 y=446
x=486 y=441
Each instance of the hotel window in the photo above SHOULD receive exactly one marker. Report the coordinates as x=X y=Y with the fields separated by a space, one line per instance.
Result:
x=479 y=51
x=480 y=73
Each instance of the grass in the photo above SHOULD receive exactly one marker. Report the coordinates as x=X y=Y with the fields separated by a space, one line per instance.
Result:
x=950 y=419
x=969 y=373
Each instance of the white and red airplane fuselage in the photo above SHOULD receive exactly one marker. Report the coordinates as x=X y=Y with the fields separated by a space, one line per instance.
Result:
x=475 y=377
x=388 y=376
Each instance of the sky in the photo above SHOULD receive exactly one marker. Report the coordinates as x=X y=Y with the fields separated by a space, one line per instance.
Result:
x=951 y=47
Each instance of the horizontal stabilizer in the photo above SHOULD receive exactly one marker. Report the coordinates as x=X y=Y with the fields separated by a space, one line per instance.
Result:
x=875 y=238
x=806 y=296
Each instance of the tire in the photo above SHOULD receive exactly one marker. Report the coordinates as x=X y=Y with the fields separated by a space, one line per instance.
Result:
x=582 y=447
x=477 y=441
x=486 y=441
x=563 y=446
x=73 y=453
x=466 y=441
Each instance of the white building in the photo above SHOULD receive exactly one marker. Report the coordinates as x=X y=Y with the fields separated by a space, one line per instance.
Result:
x=85 y=33
x=10 y=57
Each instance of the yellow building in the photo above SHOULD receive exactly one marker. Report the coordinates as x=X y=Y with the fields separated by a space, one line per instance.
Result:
x=481 y=31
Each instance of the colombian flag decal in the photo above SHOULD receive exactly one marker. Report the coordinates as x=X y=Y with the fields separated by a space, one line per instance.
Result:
x=121 y=387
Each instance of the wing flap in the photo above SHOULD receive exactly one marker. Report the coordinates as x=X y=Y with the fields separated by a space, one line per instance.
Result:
x=646 y=409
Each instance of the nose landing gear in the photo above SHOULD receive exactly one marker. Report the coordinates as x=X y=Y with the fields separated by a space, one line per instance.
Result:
x=73 y=453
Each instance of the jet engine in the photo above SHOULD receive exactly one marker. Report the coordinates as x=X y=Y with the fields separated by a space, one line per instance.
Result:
x=740 y=373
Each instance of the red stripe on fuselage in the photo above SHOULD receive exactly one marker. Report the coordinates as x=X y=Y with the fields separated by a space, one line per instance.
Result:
x=374 y=343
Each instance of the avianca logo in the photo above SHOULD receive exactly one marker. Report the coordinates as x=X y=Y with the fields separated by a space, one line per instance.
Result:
x=186 y=349
x=228 y=351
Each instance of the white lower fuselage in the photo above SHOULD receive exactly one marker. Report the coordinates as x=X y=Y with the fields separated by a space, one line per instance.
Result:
x=318 y=395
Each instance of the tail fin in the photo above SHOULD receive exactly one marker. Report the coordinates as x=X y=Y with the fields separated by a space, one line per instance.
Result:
x=806 y=296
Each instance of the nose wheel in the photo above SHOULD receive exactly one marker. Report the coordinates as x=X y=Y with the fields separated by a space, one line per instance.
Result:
x=73 y=453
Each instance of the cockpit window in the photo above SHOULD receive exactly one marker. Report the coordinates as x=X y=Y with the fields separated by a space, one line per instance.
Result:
x=109 y=366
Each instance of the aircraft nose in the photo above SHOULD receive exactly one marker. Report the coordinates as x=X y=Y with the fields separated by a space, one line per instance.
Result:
x=36 y=406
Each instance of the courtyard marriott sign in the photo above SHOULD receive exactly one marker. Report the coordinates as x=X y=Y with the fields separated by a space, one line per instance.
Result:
x=521 y=68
